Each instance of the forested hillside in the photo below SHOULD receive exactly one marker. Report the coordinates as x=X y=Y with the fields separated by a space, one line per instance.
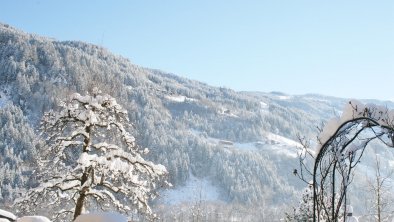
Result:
x=241 y=143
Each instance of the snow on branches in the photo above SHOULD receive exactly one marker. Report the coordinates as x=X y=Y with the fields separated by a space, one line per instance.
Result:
x=355 y=112
x=341 y=144
x=91 y=161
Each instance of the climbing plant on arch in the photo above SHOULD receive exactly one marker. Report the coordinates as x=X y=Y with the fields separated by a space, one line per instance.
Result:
x=341 y=144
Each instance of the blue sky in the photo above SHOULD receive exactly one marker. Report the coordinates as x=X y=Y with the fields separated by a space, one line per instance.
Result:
x=339 y=48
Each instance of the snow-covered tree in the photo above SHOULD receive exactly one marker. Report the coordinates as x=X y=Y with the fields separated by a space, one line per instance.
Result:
x=90 y=160
x=304 y=212
x=379 y=192
x=341 y=144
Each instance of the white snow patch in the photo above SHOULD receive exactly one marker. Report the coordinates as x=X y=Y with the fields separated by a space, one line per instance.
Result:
x=226 y=112
x=278 y=144
x=3 y=100
x=284 y=97
x=202 y=135
x=282 y=150
x=196 y=132
x=7 y=214
x=180 y=99
x=264 y=106
x=272 y=142
x=195 y=189
x=317 y=99
x=282 y=140
x=211 y=140
x=230 y=115
x=246 y=146
x=33 y=219
x=101 y=217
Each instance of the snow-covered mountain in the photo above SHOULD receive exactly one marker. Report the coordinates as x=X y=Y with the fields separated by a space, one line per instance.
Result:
x=233 y=147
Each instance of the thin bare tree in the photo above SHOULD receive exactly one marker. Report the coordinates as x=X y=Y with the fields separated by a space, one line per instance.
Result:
x=379 y=187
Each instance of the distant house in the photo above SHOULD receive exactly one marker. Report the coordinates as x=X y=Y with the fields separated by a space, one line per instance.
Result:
x=226 y=142
x=259 y=144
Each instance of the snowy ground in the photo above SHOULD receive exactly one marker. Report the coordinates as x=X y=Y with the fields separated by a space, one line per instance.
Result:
x=270 y=143
x=273 y=143
x=7 y=214
x=194 y=190
x=284 y=97
x=179 y=99
x=102 y=217
x=3 y=100
x=33 y=219
x=246 y=146
x=226 y=112
x=264 y=107
x=282 y=140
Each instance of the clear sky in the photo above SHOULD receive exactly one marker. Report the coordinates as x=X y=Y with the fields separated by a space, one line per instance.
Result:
x=342 y=48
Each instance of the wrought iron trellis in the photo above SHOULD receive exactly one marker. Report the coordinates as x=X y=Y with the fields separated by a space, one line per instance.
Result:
x=340 y=154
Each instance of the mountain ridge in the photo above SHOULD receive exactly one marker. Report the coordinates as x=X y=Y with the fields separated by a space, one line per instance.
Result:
x=233 y=139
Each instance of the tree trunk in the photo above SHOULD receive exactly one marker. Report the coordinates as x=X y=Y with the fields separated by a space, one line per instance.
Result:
x=82 y=194
x=84 y=178
x=79 y=205
x=379 y=200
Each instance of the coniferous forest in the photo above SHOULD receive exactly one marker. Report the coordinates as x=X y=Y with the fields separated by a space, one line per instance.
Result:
x=228 y=154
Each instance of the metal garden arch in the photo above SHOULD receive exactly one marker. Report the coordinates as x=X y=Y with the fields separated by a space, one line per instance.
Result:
x=342 y=144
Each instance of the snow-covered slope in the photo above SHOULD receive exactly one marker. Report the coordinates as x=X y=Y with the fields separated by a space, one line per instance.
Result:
x=33 y=219
x=240 y=146
x=192 y=191
x=101 y=217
